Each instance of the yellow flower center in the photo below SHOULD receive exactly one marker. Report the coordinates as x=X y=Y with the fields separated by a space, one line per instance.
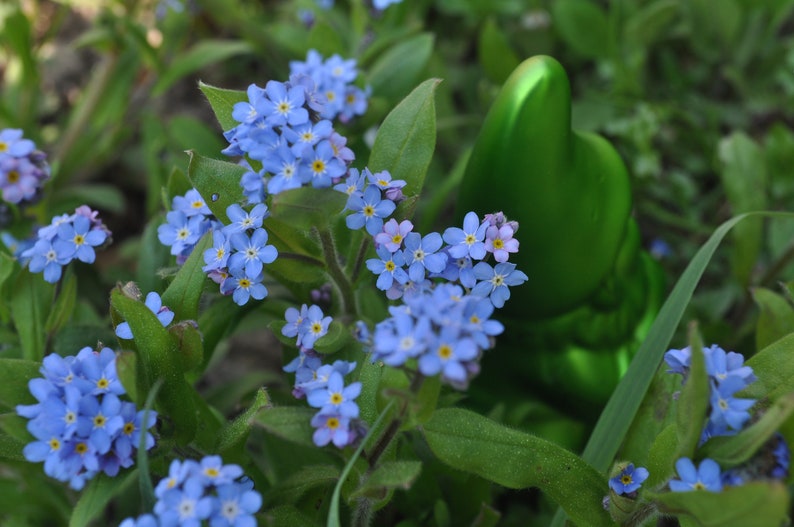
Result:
x=81 y=448
x=397 y=239
x=78 y=239
x=245 y=283
x=283 y=107
x=369 y=211
x=129 y=428
x=470 y=239
x=55 y=443
x=318 y=166
x=99 y=421
x=316 y=328
x=498 y=243
x=445 y=351
x=336 y=398
x=13 y=176
x=390 y=266
x=332 y=423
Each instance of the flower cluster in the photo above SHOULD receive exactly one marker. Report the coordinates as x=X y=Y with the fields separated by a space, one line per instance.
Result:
x=197 y=491
x=187 y=221
x=80 y=424
x=155 y=305
x=238 y=254
x=727 y=375
x=334 y=79
x=322 y=384
x=284 y=127
x=443 y=329
x=68 y=237
x=408 y=261
x=23 y=169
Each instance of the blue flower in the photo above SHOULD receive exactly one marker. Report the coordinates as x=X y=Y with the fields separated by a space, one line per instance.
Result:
x=323 y=165
x=250 y=253
x=332 y=427
x=242 y=221
x=77 y=239
x=494 y=281
x=678 y=360
x=185 y=506
x=155 y=305
x=728 y=413
x=705 y=477
x=191 y=204
x=315 y=325
x=721 y=364
x=216 y=257
x=243 y=288
x=212 y=471
x=389 y=268
x=421 y=254
x=181 y=232
x=448 y=356
x=467 y=241
x=629 y=480
x=235 y=506
x=336 y=397
x=284 y=105
x=383 y=4
x=287 y=170
x=43 y=256
x=369 y=210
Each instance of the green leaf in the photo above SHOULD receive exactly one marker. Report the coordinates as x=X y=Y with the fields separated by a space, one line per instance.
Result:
x=31 y=298
x=299 y=483
x=184 y=292
x=218 y=182
x=752 y=504
x=96 y=496
x=389 y=475
x=495 y=54
x=14 y=377
x=406 y=139
x=776 y=319
x=743 y=174
x=64 y=305
x=15 y=426
x=662 y=456
x=730 y=451
x=693 y=402
x=222 y=102
x=158 y=358
x=583 y=25
x=774 y=370
x=307 y=207
x=189 y=343
x=369 y=375
x=203 y=53
x=292 y=423
x=236 y=432
x=473 y=443
x=394 y=72
x=650 y=23
x=11 y=447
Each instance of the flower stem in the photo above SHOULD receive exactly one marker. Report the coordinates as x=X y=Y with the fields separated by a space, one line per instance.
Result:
x=336 y=273
x=359 y=262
